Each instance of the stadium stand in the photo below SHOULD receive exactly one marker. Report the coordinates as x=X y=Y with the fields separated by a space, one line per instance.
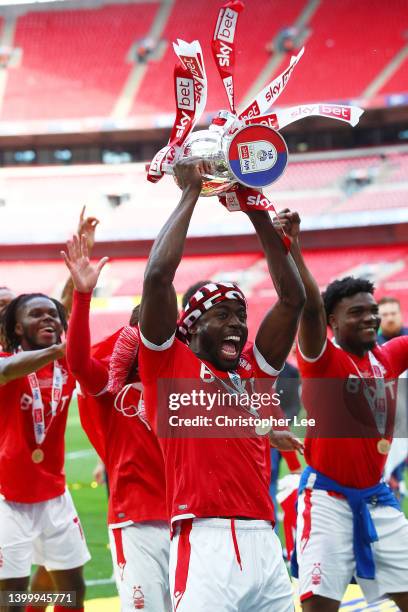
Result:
x=190 y=20
x=75 y=63
x=313 y=184
x=121 y=283
x=350 y=46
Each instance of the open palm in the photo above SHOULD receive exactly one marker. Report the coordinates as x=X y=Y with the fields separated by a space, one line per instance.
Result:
x=84 y=274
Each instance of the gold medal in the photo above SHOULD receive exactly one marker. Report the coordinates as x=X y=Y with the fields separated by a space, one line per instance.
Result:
x=37 y=455
x=383 y=446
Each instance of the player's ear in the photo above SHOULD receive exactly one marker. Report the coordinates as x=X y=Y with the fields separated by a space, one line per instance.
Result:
x=18 y=329
x=332 y=322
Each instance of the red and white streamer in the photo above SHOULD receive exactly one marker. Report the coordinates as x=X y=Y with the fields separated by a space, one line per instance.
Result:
x=190 y=88
x=223 y=45
x=283 y=117
x=246 y=199
x=264 y=100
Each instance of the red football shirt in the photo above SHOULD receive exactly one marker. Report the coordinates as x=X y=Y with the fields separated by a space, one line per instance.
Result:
x=116 y=427
x=22 y=480
x=208 y=477
x=131 y=454
x=351 y=461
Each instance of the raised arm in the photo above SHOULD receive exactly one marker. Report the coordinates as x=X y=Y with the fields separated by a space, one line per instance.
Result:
x=27 y=362
x=278 y=329
x=86 y=227
x=158 y=311
x=90 y=373
x=313 y=324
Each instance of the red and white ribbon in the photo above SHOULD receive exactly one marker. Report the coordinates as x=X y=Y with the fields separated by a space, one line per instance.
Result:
x=283 y=117
x=223 y=46
x=190 y=88
x=38 y=404
x=246 y=199
x=264 y=100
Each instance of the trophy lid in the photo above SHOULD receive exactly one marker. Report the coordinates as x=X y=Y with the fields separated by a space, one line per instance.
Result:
x=257 y=156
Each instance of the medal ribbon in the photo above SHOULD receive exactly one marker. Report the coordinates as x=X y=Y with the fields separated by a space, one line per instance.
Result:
x=190 y=88
x=376 y=398
x=38 y=405
x=223 y=45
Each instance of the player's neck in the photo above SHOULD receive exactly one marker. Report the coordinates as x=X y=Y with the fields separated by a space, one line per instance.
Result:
x=354 y=350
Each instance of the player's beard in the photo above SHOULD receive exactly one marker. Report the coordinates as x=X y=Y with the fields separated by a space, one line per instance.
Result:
x=368 y=346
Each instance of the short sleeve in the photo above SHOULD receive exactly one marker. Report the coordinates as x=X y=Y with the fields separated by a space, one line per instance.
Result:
x=253 y=364
x=154 y=359
x=396 y=352
x=317 y=366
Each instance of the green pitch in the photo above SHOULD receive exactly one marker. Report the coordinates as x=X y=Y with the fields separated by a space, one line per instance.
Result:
x=91 y=504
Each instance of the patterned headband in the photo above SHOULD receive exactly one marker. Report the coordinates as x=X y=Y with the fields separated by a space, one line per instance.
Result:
x=202 y=300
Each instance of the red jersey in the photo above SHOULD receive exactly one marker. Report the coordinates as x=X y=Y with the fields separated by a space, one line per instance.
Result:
x=208 y=477
x=22 y=480
x=351 y=461
x=116 y=427
x=131 y=454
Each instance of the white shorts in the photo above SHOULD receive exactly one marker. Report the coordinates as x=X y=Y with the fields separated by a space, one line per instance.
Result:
x=46 y=533
x=218 y=567
x=140 y=554
x=325 y=548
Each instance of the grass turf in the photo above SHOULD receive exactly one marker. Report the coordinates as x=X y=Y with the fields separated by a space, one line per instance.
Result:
x=91 y=504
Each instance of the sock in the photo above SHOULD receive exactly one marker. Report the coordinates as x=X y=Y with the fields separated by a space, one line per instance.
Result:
x=36 y=608
x=62 y=609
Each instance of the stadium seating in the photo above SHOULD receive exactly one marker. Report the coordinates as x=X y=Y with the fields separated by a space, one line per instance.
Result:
x=121 y=284
x=75 y=62
x=349 y=44
x=50 y=198
x=258 y=25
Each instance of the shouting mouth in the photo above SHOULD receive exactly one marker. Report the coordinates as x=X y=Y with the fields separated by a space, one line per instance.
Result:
x=230 y=347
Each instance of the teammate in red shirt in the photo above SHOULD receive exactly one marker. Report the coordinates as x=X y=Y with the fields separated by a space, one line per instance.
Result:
x=348 y=522
x=224 y=554
x=112 y=414
x=38 y=522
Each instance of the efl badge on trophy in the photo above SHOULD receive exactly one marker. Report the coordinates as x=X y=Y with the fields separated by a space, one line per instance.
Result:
x=246 y=148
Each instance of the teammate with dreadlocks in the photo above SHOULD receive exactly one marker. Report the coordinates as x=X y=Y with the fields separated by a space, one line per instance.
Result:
x=217 y=487
x=38 y=522
x=349 y=522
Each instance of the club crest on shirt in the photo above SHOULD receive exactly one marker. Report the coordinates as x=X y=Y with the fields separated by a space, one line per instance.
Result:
x=47 y=382
x=244 y=363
